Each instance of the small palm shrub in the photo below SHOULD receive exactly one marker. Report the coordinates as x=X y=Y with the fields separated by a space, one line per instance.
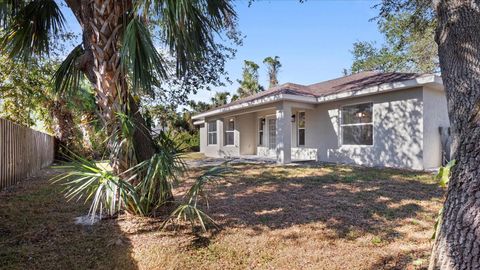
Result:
x=143 y=189
x=189 y=210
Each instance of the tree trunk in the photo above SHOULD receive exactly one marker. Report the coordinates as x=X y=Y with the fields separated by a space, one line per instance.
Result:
x=101 y=21
x=457 y=245
x=65 y=129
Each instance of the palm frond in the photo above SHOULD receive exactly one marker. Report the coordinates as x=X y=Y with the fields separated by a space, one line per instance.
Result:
x=32 y=28
x=85 y=179
x=189 y=27
x=158 y=174
x=8 y=10
x=140 y=57
x=68 y=75
x=189 y=210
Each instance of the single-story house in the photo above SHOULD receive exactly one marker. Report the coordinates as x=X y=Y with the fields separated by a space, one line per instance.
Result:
x=368 y=118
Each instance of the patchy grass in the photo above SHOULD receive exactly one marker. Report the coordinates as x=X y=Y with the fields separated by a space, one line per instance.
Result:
x=37 y=231
x=193 y=156
x=272 y=217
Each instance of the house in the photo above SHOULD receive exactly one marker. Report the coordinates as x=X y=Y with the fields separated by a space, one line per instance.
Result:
x=368 y=118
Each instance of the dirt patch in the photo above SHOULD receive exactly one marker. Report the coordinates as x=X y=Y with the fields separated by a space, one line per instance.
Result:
x=271 y=217
x=38 y=231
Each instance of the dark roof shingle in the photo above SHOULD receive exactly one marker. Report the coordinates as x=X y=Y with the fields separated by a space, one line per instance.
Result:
x=352 y=82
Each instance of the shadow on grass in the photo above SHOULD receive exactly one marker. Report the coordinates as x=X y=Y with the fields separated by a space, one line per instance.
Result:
x=37 y=231
x=403 y=260
x=349 y=201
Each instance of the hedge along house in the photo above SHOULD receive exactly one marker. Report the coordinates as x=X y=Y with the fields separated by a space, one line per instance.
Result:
x=368 y=118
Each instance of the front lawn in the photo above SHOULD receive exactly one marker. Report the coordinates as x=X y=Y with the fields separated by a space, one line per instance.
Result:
x=271 y=217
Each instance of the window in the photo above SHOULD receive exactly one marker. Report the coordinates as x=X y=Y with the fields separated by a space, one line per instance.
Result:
x=301 y=129
x=272 y=137
x=212 y=132
x=261 y=124
x=357 y=124
x=230 y=132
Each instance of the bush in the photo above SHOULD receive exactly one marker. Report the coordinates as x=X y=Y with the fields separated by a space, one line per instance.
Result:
x=190 y=142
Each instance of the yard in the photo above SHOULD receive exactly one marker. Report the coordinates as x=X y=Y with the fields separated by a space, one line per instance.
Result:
x=271 y=217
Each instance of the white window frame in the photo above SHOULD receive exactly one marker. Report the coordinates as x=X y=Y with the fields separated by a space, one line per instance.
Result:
x=341 y=125
x=227 y=131
x=212 y=132
x=299 y=128
x=261 y=131
x=267 y=118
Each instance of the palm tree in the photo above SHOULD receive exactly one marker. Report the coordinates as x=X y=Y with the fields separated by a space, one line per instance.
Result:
x=117 y=54
x=220 y=98
x=273 y=66
x=249 y=84
x=118 y=57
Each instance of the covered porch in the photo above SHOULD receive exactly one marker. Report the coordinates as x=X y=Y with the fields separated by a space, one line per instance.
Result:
x=276 y=131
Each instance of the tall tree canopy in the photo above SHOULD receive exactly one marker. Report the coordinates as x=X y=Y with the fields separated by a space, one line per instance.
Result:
x=117 y=53
x=407 y=48
x=220 y=98
x=273 y=67
x=28 y=98
x=249 y=84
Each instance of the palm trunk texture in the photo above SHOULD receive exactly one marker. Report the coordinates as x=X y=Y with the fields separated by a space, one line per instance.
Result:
x=102 y=24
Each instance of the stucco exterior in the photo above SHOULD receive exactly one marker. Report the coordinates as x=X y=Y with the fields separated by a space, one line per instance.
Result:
x=435 y=116
x=397 y=131
x=405 y=130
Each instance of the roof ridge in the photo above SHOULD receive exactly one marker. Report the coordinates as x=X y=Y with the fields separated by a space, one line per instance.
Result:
x=351 y=82
x=350 y=75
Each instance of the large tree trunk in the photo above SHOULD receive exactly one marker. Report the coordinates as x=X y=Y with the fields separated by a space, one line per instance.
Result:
x=101 y=21
x=458 y=36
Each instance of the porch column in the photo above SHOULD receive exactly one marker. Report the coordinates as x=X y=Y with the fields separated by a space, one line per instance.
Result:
x=220 y=138
x=284 y=133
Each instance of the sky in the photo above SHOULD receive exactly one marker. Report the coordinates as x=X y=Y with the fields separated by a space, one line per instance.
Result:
x=313 y=39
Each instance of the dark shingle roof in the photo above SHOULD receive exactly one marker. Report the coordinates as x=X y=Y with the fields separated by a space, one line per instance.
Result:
x=358 y=81
x=352 y=82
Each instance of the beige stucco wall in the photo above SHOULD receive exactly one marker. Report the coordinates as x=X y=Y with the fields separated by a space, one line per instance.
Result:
x=397 y=131
x=244 y=137
x=211 y=150
x=203 y=138
x=436 y=115
x=401 y=118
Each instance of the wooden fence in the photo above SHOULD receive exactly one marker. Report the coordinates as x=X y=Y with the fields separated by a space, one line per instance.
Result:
x=23 y=151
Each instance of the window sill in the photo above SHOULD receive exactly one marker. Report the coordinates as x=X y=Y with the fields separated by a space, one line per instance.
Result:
x=355 y=146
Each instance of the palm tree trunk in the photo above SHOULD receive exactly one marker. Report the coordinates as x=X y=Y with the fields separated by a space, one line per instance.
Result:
x=458 y=242
x=102 y=22
x=110 y=86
